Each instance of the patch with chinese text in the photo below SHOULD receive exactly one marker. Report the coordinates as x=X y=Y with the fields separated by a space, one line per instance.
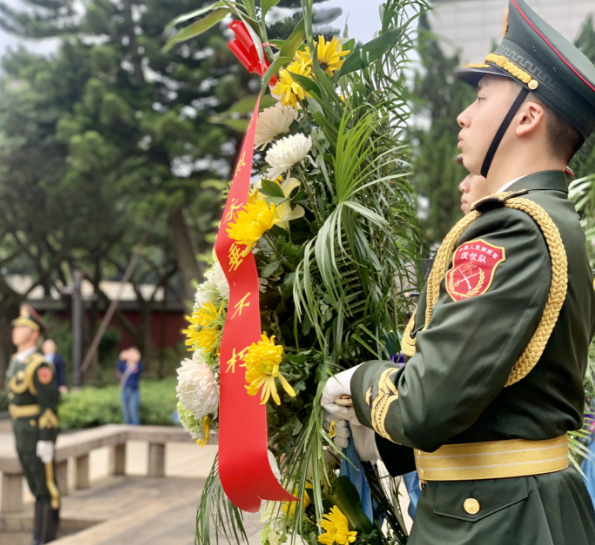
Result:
x=473 y=268
x=44 y=375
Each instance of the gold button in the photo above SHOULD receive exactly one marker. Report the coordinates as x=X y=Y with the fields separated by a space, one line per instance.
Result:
x=533 y=84
x=32 y=423
x=11 y=395
x=471 y=506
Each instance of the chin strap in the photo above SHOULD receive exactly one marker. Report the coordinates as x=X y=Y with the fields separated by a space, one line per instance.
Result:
x=502 y=130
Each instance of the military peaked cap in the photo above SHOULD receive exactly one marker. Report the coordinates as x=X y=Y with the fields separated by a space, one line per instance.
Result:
x=539 y=58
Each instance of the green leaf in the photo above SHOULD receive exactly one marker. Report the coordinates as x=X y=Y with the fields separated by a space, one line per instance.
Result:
x=192 y=15
x=244 y=105
x=279 y=63
x=272 y=189
x=270 y=269
x=196 y=28
x=250 y=8
x=266 y=5
x=277 y=43
x=371 y=51
x=348 y=501
x=349 y=45
x=307 y=83
x=240 y=125
x=266 y=102
x=294 y=41
x=276 y=201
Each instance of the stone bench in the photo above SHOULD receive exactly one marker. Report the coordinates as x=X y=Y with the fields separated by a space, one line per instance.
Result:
x=78 y=446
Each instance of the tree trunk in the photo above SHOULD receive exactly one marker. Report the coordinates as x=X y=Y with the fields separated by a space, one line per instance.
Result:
x=186 y=251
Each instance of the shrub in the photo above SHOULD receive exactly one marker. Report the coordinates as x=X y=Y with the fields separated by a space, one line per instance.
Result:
x=92 y=407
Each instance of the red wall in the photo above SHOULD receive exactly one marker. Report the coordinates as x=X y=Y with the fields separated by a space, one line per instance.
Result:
x=166 y=327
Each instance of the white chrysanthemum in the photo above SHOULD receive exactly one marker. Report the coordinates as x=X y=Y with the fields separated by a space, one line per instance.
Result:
x=287 y=152
x=217 y=278
x=198 y=389
x=206 y=293
x=272 y=123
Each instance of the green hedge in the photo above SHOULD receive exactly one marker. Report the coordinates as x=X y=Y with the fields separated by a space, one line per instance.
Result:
x=92 y=407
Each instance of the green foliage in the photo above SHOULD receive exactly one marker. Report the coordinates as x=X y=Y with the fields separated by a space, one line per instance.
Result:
x=334 y=275
x=92 y=407
x=583 y=164
x=437 y=100
x=106 y=137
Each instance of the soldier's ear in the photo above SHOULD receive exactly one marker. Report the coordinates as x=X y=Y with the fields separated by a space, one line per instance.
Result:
x=530 y=118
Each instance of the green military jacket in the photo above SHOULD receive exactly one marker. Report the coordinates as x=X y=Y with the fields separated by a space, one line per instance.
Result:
x=33 y=400
x=454 y=389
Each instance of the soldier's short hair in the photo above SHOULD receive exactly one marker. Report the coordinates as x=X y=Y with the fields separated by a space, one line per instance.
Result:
x=563 y=139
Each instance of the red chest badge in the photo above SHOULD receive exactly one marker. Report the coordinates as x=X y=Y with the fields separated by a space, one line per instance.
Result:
x=44 y=375
x=473 y=269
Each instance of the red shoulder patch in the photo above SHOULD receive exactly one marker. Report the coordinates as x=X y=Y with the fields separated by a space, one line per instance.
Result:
x=473 y=268
x=44 y=375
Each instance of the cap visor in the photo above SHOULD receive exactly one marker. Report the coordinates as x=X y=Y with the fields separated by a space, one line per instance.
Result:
x=472 y=75
x=26 y=322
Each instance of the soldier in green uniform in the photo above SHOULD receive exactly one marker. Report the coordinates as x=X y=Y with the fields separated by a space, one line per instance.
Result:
x=33 y=398
x=498 y=346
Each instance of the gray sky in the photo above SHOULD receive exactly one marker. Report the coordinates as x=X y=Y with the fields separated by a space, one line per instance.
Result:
x=362 y=17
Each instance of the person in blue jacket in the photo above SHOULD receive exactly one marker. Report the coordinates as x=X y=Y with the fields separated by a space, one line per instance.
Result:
x=128 y=371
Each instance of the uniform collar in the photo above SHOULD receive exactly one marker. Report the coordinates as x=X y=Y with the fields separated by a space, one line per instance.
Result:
x=22 y=356
x=552 y=180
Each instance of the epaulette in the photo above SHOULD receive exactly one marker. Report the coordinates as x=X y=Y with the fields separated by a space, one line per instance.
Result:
x=496 y=201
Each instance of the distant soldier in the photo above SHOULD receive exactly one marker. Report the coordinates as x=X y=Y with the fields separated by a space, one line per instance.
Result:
x=33 y=398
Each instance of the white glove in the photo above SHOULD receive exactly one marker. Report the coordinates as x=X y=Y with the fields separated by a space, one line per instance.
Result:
x=45 y=451
x=341 y=432
x=364 y=441
x=335 y=387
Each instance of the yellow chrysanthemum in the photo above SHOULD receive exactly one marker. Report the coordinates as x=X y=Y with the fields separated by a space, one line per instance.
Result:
x=192 y=331
x=262 y=368
x=303 y=58
x=251 y=223
x=329 y=54
x=206 y=426
x=289 y=506
x=206 y=315
x=206 y=339
x=287 y=88
x=254 y=195
x=336 y=528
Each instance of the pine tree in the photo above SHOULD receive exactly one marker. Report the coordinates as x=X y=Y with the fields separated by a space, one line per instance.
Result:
x=140 y=119
x=107 y=136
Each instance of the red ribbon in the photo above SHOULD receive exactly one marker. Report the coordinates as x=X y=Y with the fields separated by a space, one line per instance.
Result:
x=244 y=468
x=244 y=49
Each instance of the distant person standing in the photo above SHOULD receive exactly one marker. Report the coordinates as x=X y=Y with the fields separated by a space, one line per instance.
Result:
x=128 y=370
x=49 y=353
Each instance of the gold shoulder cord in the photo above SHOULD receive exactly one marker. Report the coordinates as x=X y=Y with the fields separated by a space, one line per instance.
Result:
x=556 y=296
x=35 y=360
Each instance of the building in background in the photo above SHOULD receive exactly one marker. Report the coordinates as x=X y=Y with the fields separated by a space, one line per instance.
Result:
x=474 y=26
x=166 y=311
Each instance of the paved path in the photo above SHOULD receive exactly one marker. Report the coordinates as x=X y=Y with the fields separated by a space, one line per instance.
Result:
x=130 y=510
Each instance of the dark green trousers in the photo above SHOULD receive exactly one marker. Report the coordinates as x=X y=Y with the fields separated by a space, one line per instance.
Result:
x=40 y=477
x=552 y=509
